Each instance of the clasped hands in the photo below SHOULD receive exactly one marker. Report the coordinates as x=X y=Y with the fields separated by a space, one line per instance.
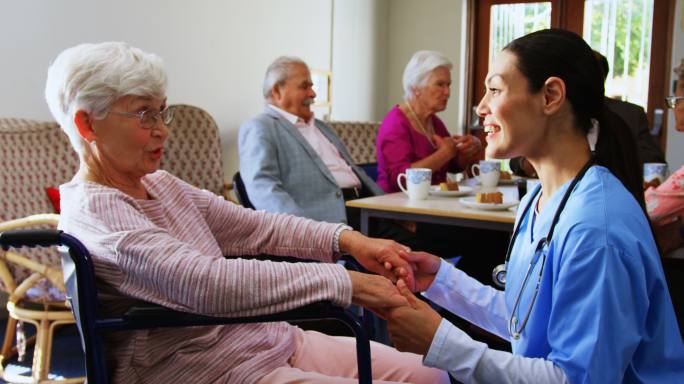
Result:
x=412 y=322
x=465 y=146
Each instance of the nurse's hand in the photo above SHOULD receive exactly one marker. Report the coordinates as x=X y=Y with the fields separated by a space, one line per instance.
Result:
x=411 y=327
x=425 y=267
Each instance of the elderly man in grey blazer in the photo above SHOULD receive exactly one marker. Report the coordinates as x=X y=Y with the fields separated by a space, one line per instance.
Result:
x=290 y=161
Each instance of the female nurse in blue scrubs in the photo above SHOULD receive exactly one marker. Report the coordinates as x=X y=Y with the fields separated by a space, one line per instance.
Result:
x=585 y=299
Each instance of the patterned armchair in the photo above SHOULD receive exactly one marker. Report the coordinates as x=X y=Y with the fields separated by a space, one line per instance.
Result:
x=359 y=138
x=33 y=155
x=193 y=150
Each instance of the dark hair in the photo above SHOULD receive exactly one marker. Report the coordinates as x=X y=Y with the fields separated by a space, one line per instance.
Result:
x=563 y=54
x=603 y=63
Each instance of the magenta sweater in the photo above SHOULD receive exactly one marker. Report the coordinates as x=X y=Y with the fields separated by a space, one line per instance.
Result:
x=170 y=251
x=398 y=145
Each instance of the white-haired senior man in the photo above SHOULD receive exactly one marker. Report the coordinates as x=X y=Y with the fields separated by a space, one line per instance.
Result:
x=292 y=162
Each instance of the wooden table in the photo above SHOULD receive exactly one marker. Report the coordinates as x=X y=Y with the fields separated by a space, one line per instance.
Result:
x=435 y=209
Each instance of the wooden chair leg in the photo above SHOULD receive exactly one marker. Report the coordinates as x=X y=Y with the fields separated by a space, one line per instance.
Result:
x=9 y=338
x=40 y=354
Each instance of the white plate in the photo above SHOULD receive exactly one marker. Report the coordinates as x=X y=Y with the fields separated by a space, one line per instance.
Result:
x=510 y=181
x=501 y=181
x=471 y=203
x=462 y=191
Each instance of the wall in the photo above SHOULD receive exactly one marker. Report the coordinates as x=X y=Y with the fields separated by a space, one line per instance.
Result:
x=675 y=140
x=435 y=25
x=359 y=57
x=216 y=51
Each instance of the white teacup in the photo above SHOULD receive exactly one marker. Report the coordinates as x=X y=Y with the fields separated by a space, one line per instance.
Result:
x=418 y=182
x=654 y=171
x=488 y=172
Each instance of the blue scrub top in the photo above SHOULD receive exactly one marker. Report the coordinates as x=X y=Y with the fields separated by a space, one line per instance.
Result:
x=603 y=313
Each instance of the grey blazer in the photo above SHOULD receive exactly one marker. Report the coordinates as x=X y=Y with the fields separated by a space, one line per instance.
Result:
x=283 y=173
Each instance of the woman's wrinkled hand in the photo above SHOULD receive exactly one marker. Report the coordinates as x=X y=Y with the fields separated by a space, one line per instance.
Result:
x=375 y=291
x=468 y=145
x=378 y=255
x=446 y=144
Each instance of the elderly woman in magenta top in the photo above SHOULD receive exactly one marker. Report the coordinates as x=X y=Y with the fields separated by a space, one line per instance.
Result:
x=412 y=136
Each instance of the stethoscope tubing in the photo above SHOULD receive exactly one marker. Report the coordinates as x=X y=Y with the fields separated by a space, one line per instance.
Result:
x=499 y=273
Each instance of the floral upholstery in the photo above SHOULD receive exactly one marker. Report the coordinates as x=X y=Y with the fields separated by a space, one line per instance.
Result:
x=359 y=138
x=33 y=155
x=193 y=149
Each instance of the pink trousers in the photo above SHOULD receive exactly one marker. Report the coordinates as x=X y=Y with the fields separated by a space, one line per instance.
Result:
x=320 y=358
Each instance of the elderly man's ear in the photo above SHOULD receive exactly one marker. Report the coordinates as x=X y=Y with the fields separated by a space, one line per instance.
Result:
x=276 y=95
x=84 y=123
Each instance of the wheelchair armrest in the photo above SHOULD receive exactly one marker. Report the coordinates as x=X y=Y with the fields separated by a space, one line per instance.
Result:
x=267 y=257
x=157 y=316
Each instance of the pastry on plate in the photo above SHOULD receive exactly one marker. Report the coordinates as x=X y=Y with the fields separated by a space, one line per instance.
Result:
x=448 y=186
x=489 y=197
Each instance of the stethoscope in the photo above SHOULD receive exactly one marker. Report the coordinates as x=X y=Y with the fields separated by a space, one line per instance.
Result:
x=499 y=273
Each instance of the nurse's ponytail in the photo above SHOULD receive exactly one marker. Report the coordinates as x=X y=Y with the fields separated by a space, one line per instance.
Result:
x=563 y=54
x=616 y=149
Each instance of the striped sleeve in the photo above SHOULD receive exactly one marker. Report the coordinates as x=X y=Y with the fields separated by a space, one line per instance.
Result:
x=242 y=231
x=160 y=269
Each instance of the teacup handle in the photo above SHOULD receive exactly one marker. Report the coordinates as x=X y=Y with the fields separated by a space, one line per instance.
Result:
x=472 y=169
x=399 y=182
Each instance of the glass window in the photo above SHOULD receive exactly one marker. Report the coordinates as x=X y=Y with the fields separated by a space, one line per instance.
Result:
x=509 y=21
x=621 y=31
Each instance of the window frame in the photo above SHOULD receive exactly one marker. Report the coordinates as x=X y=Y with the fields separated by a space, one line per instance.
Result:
x=569 y=15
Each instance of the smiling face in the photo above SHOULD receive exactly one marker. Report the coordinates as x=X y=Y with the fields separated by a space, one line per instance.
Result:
x=125 y=150
x=296 y=95
x=513 y=117
x=434 y=95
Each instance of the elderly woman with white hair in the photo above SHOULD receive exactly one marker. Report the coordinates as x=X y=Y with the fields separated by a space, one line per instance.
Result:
x=155 y=238
x=412 y=136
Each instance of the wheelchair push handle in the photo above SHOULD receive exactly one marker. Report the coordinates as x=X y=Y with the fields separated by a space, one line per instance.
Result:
x=30 y=238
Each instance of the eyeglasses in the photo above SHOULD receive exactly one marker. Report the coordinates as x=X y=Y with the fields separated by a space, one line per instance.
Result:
x=149 y=118
x=672 y=101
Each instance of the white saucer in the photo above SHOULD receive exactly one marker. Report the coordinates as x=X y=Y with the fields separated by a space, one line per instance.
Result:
x=510 y=181
x=471 y=203
x=462 y=191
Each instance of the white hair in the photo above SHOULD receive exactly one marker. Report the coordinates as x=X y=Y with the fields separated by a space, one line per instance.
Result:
x=91 y=77
x=278 y=72
x=679 y=71
x=418 y=70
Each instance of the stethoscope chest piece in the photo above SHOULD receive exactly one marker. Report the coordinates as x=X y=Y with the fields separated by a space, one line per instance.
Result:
x=499 y=275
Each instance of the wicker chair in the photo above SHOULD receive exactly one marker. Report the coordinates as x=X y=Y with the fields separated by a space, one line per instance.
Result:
x=33 y=155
